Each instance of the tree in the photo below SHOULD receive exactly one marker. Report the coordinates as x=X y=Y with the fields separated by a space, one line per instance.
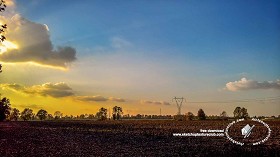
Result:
x=57 y=115
x=240 y=113
x=14 y=114
x=91 y=116
x=82 y=116
x=237 y=112
x=3 y=26
x=42 y=114
x=117 y=113
x=27 y=114
x=102 y=114
x=5 y=103
x=244 y=113
x=201 y=115
x=190 y=116
x=4 y=108
x=2 y=6
x=224 y=115
x=49 y=116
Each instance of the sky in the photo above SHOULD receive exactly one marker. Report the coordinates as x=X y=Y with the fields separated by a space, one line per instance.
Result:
x=77 y=56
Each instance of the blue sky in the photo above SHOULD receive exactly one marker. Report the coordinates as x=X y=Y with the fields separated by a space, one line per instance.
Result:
x=220 y=32
x=159 y=49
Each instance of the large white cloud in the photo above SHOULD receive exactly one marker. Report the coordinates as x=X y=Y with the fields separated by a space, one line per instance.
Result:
x=33 y=44
x=245 y=84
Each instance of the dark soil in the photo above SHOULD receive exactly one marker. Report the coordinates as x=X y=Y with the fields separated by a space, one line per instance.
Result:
x=125 y=138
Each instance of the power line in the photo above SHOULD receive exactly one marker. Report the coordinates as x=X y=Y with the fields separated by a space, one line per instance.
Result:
x=239 y=101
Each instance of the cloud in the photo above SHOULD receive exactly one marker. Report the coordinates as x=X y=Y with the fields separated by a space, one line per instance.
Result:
x=32 y=106
x=117 y=99
x=14 y=87
x=245 y=84
x=119 y=43
x=165 y=103
x=56 y=90
x=155 y=102
x=9 y=3
x=98 y=98
x=33 y=44
x=91 y=98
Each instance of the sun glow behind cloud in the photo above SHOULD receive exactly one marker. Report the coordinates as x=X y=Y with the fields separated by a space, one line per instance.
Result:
x=36 y=64
x=7 y=45
x=30 y=42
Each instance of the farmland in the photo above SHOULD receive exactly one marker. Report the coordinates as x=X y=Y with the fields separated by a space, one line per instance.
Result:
x=125 y=138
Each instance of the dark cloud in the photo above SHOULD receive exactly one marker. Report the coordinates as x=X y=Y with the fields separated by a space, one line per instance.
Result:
x=165 y=103
x=155 y=102
x=32 y=106
x=98 y=98
x=117 y=99
x=48 y=89
x=245 y=84
x=91 y=98
x=34 y=45
x=56 y=90
x=15 y=87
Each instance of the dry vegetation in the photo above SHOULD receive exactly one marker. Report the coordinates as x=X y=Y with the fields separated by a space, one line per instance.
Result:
x=124 y=138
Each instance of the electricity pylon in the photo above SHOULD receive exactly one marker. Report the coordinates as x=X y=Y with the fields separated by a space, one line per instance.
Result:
x=179 y=102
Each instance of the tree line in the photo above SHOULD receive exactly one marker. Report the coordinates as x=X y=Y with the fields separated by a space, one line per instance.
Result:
x=237 y=114
x=13 y=114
